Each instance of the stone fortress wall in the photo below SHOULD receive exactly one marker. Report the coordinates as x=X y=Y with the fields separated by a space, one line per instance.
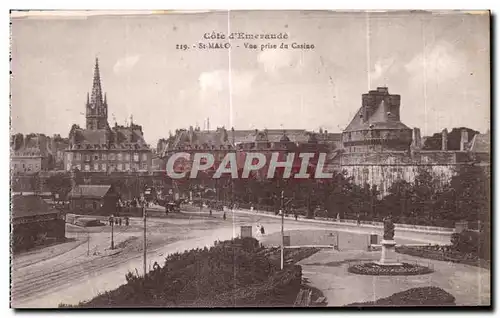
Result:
x=379 y=149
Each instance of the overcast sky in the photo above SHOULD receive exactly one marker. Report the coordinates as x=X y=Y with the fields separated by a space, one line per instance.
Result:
x=438 y=63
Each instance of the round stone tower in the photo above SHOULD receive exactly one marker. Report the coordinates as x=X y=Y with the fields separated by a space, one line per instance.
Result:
x=376 y=126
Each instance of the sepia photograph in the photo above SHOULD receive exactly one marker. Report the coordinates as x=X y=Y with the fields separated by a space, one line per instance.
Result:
x=250 y=159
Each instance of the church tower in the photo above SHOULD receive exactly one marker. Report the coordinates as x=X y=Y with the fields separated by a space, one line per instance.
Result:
x=97 y=106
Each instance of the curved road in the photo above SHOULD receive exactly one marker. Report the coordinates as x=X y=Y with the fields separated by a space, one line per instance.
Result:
x=73 y=276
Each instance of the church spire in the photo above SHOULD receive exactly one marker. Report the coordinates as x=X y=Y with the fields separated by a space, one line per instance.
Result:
x=96 y=98
x=97 y=109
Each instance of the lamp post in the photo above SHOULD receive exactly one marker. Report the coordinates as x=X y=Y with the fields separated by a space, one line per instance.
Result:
x=112 y=227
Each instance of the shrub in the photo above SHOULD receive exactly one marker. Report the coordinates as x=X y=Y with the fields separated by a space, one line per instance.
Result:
x=472 y=242
x=421 y=296
x=235 y=272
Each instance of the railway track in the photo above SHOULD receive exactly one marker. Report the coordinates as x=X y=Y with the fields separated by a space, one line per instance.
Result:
x=28 y=285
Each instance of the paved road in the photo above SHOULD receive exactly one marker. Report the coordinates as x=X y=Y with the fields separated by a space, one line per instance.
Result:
x=71 y=277
x=327 y=271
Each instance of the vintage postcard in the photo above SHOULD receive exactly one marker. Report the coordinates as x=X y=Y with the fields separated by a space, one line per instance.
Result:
x=250 y=159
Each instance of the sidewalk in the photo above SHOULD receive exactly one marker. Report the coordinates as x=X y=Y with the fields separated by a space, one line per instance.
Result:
x=354 y=225
x=327 y=271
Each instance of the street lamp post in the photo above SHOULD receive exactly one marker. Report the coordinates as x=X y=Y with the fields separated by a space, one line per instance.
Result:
x=112 y=227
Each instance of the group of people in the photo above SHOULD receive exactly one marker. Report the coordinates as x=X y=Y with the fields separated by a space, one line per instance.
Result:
x=135 y=202
x=118 y=220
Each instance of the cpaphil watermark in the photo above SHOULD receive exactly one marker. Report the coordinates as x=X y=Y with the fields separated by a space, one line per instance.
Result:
x=304 y=165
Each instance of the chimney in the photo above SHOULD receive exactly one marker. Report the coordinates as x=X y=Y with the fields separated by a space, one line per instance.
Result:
x=464 y=139
x=417 y=139
x=444 y=140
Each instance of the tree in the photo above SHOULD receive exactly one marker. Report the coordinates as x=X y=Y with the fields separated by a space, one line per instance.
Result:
x=59 y=184
x=35 y=182
x=471 y=184
x=397 y=202
x=424 y=192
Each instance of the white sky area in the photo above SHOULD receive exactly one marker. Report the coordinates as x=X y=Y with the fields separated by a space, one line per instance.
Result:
x=438 y=63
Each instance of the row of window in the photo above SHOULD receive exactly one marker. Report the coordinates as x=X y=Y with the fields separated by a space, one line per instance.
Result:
x=86 y=205
x=112 y=156
x=112 y=167
x=27 y=167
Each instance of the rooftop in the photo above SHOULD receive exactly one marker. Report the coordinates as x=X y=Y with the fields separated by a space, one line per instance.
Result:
x=89 y=191
x=30 y=205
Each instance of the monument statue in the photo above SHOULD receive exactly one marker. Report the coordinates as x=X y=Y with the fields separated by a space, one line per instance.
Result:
x=388 y=229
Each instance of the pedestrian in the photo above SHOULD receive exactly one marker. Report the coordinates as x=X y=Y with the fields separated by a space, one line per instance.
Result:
x=210 y=211
x=120 y=221
x=156 y=266
x=224 y=216
x=359 y=220
x=126 y=221
x=116 y=221
x=262 y=231
x=296 y=216
x=110 y=220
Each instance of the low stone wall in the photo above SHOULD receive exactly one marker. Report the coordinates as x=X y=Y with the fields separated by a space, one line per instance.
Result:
x=378 y=225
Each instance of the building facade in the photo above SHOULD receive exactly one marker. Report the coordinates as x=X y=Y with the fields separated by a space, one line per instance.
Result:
x=33 y=153
x=376 y=148
x=93 y=199
x=26 y=162
x=101 y=148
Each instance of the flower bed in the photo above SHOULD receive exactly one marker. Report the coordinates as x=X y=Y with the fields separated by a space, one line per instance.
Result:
x=389 y=270
x=445 y=254
x=421 y=296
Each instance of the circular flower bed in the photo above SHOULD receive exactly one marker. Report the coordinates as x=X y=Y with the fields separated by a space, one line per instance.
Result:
x=389 y=270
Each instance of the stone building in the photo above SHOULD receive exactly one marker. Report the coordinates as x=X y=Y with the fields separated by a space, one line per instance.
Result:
x=33 y=153
x=376 y=127
x=379 y=149
x=34 y=222
x=26 y=161
x=29 y=154
x=221 y=141
x=93 y=199
x=101 y=148
x=376 y=147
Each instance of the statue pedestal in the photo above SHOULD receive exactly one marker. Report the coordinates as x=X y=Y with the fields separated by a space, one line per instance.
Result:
x=389 y=255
